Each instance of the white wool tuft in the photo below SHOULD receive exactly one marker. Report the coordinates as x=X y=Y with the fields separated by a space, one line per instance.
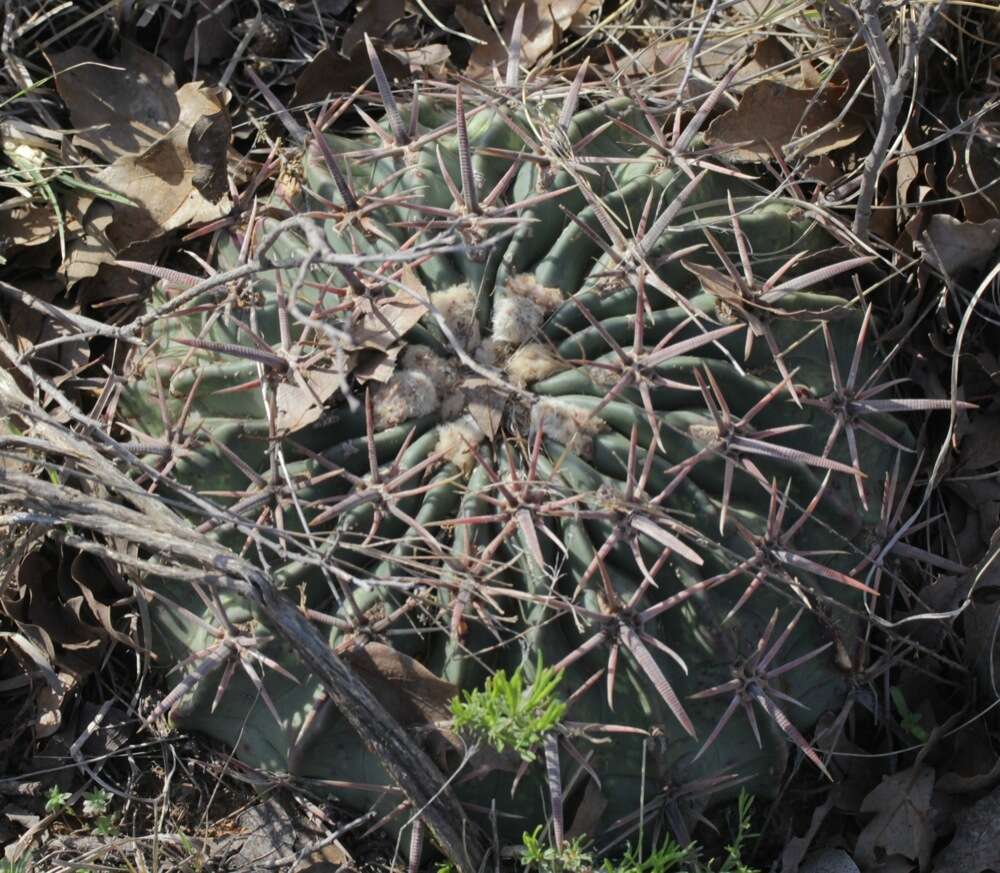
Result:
x=532 y=363
x=488 y=354
x=573 y=426
x=457 y=439
x=605 y=377
x=516 y=319
x=422 y=383
x=440 y=371
x=704 y=433
x=457 y=306
x=408 y=394
x=527 y=286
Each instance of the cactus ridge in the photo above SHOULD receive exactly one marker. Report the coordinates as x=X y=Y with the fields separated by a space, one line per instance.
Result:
x=530 y=375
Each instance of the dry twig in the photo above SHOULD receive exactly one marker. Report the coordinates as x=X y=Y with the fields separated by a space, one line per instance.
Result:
x=893 y=86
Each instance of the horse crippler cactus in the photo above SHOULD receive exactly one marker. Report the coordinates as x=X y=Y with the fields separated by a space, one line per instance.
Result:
x=526 y=381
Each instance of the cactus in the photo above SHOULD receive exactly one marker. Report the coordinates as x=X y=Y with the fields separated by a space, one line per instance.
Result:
x=578 y=393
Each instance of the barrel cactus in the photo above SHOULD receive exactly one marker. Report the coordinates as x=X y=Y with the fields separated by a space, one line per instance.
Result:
x=527 y=381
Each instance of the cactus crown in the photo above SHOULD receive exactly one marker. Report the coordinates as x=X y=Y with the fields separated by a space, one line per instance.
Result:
x=527 y=380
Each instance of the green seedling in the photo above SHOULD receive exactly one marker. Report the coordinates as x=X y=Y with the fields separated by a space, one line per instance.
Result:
x=540 y=857
x=57 y=801
x=510 y=714
x=909 y=720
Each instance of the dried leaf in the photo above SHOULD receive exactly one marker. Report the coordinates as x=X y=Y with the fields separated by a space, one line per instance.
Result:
x=112 y=728
x=30 y=224
x=954 y=245
x=822 y=170
x=91 y=247
x=68 y=604
x=717 y=57
x=212 y=36
x=772 y=113
x=422 y=56
x=485 y=404
x=974 y=765
x=330 y=72
x=299 y=405
x=101 y=587
x=398 y=314
x=36 y=659
x=544 y=23
x=25 y=323
x=661 y=57
x=976 y=844
x=829 y=861
x=756 y=10
x=166 y=180
x=409 y=691
x=902 y=822
x=794 y=854
x=588 y=813
x=375 y=366
x=114 y=282
x=980 y=446
x=975 y=169
x=810 y=76
x=769 y=52
x=49 y=704
x=907 y=172
x=488 y=51
x=120 y=106
x=374 y=18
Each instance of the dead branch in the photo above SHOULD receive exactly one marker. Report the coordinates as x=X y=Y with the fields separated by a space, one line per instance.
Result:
x=892 y=87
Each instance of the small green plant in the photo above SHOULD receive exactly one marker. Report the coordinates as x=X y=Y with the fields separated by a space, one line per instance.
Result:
x=667 y=857
x=671 y=855
x=570 y=857
x=909 y=720
x=57 y=801
x=733 y=860
x=105 y=826
x=95 y=806
x=509 y=713
x=95 y=803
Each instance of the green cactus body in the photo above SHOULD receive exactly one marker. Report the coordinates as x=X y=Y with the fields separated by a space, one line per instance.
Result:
x=551 y=313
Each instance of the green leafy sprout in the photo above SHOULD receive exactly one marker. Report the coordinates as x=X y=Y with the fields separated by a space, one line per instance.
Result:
x=539 y=857
x=95 y=803
x=57 y=801
x=510 y=713
x=909 y=720
x=665 y=859
x=568 y=858
x=96 y=806
x=671 y=855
